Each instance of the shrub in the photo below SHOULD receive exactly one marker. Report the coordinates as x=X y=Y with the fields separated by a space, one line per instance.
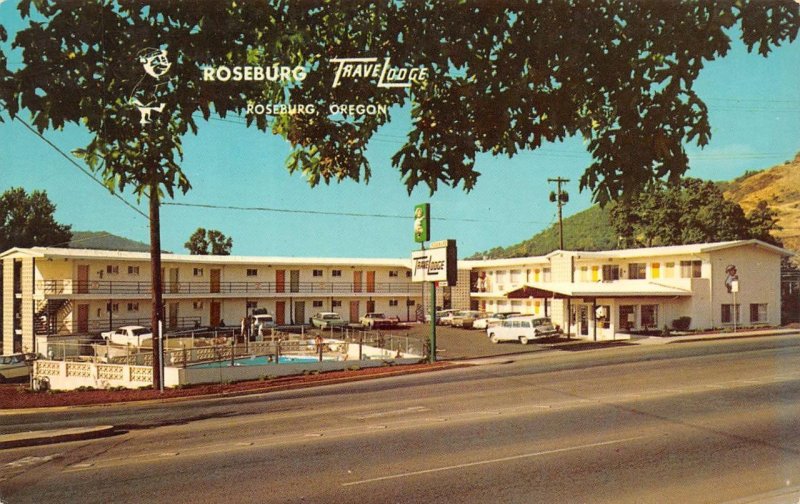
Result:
x=682 y=323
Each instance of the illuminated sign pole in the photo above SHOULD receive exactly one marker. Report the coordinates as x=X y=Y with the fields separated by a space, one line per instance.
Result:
x=436 y=264
x=422 y=233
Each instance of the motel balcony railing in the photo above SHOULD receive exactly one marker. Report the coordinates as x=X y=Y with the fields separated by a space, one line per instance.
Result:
x=128 y=287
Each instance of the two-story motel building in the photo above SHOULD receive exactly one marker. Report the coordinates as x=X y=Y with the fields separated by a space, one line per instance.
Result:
x=603 y=295
x=593 y=295
x=48 y=291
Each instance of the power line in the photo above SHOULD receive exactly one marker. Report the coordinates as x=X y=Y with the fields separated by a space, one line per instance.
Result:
x=76 y=165
x=339 y=214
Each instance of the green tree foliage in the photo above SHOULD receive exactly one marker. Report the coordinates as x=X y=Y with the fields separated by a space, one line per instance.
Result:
x=503 y=77
x=213 y=242
x=693 y=211
x=26 y=220
x=763 y=220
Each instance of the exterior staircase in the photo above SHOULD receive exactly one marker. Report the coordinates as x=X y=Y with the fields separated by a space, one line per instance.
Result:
x=50 y=314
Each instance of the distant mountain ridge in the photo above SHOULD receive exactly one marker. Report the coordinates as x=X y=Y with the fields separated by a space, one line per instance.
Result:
x=590 y=229
x=103 y=240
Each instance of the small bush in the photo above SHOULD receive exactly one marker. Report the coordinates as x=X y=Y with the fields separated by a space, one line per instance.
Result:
x=682 y=323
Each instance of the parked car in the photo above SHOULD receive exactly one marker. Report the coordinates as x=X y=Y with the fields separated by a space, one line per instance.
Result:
x=134 y=335
x=445 y=317
x=493 y=319
x=521 y=329
x=15 y=367
x=263 y=321
x=378 y=321
x=466 y=318
x=326 y=320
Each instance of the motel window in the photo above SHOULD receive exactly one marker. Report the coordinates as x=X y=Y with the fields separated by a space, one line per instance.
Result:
x=198 y=272
x=410 y=302
x=393 y=302
x=252 y=305
x=546 y=275
x=133 y=307
x=336 y=273
x=584 y=276
x=758 y=313
x=317 y=304
x=730 y=314
x=610 y=272
x=627 y=317
x=691 y=269
x=336 y=304
x=408 y=273
x=394 y=274
x=133 y=270
x=251 y=272
x=649 y=316
x=114 y=307
x=669 y=270
x=112 y=270
x=197 y=305
x=595 y=273
x=516 y=276
x=317 y=273
x=637 y=271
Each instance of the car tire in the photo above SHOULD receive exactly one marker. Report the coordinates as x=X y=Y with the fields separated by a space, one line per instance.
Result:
x=523 y=340
x=494 y=339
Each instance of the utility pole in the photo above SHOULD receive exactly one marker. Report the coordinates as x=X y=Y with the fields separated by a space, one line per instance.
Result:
x=157 y=313
x=560 y=198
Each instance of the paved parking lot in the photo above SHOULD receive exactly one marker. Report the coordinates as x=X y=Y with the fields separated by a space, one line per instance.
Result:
x=457 y=343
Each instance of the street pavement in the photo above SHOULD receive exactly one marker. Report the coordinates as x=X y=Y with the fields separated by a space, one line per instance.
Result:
x=471 y=347
x=714 y=421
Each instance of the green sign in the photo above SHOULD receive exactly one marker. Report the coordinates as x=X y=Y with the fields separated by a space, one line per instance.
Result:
x=422 y=222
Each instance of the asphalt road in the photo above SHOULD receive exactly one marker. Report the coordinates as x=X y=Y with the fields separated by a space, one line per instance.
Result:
x=700 y=422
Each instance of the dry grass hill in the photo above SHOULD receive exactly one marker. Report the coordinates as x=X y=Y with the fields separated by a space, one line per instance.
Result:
x=780 y=187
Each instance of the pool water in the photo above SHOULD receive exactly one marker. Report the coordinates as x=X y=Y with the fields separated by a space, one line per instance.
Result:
x=261 y=360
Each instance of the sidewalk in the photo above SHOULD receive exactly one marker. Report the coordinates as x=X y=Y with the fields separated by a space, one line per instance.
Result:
x=663 y=340
x=42 y=437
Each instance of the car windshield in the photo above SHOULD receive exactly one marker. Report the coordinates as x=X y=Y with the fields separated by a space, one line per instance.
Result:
x=140 y=331
x=330 y=316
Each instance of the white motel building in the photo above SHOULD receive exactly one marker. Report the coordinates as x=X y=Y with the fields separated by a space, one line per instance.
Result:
x=594 y=295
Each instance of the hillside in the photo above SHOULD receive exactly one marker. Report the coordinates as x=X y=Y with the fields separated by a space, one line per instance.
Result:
x=779 y=186
x=103 y=240
x=586 y=230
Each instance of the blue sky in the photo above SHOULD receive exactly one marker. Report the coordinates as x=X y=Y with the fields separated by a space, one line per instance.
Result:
x=755 y=117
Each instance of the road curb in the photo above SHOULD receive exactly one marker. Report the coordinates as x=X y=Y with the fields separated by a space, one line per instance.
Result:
x=35 y=438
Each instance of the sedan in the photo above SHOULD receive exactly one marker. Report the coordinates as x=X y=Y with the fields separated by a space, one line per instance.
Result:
x=14 y=367
x=128 y=335
x=325 y=320
x=466 y=318
x=494 y=319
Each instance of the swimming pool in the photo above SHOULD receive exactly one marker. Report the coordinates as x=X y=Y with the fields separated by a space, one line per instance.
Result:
x=261 y=360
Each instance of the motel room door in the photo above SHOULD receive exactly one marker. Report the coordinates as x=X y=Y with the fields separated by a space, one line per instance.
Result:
x=299 y=312
x=214 y=315
x=172 y=315
x=83 y=318
x=215 y=280
x=280 y=312
x=83 y=279
x=354 y=312
x=356 y=281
